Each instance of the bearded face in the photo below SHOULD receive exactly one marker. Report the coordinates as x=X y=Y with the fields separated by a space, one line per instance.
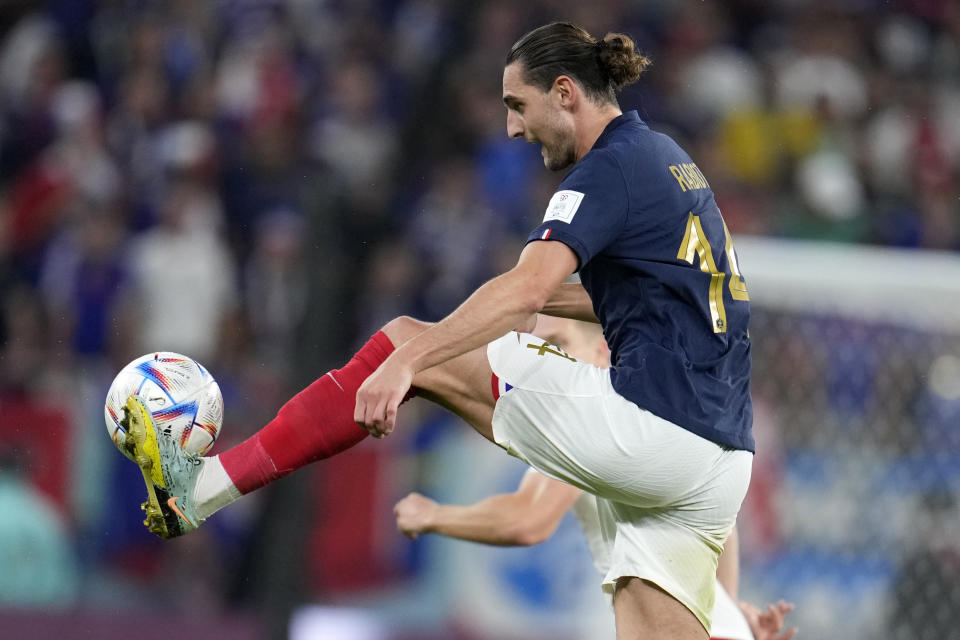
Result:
x=538 y=117
x=556 y=143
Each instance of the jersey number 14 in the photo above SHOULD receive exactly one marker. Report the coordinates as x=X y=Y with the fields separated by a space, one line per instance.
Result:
x=695 y=245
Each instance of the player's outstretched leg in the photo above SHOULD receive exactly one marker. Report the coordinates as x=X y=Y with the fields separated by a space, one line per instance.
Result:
x=315 y=424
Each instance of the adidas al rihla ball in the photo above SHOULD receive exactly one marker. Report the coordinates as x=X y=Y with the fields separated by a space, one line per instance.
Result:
x=181 y=395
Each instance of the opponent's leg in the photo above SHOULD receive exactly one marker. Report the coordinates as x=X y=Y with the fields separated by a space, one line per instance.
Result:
x=643 y=611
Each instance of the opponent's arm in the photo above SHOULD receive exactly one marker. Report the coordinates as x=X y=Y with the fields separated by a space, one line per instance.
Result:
x=525 y=517
x=497 y=307
x=768 y=624
x=765 y=624
x=570 y=300
x=728 y=567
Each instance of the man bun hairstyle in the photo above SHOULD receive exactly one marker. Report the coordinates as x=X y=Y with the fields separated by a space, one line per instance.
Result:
x=602 y=67
x=620 y=61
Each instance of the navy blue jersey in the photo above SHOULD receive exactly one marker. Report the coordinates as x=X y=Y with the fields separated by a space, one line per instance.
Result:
x=658 y=263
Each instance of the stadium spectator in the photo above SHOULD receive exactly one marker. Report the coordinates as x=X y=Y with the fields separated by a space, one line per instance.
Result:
x=183 y=275
x=39 y=566
x=442 y=235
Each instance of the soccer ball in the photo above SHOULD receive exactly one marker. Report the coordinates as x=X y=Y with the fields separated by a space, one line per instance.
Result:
x=181 y=395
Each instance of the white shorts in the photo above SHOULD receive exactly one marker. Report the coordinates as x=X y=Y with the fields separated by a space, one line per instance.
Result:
x=669 y=498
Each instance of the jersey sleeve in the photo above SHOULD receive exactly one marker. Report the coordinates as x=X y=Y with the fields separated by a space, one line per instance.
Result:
x=589 y=209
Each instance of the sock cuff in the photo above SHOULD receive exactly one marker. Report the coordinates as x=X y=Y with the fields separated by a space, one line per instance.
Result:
x=377 y=349
x=214 y=489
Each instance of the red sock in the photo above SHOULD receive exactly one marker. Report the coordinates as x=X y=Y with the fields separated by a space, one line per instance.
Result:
x=315 y=424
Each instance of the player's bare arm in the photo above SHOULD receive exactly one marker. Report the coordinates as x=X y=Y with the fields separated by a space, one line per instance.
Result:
x=497 y=307
x=525 y=517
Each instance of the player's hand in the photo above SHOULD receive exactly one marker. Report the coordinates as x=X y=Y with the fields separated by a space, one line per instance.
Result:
x=380 y=395
x=414 y=515
x=766 y=625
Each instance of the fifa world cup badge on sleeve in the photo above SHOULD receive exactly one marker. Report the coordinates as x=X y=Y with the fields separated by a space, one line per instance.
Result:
x=563 y=206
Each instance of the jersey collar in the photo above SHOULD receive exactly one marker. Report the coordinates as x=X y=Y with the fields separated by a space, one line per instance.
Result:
x=624 y=118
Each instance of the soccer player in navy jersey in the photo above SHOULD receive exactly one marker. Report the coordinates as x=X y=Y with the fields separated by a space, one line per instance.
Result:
x=664 y=435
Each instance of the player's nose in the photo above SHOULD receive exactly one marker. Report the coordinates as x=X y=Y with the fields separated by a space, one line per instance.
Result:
x=514 y=125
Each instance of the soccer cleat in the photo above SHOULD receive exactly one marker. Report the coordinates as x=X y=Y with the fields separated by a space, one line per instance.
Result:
x=169 y=472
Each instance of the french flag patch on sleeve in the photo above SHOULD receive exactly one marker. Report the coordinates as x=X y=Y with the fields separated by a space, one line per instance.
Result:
x=545 y=235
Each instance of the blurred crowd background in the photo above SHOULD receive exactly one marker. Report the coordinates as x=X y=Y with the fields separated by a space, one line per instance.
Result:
x=260 y=184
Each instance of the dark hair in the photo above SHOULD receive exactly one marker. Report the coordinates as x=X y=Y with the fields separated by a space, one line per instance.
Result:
x=602 y=67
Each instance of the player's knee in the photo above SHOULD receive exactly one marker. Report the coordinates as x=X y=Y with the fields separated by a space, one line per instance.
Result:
x=402 y=328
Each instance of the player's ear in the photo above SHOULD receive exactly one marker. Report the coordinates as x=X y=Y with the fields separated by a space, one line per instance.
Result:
x=565 y=89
